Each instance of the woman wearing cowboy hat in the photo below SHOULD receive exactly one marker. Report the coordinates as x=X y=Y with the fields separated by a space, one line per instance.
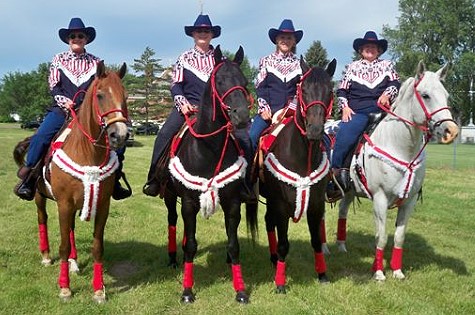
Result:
x=367 y=82
x=190 y=74
x=70 y=71
x=279 y=73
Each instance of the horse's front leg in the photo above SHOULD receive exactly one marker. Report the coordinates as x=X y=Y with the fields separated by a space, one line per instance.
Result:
x=40 y=202
x=271 y=236
x=170 y=201
x=403 y=214
x=380 y=207
x=232 y=219
x=189 y=210
x=281 y=218
x=314 y=220
x=98 y=251
x=66 y=217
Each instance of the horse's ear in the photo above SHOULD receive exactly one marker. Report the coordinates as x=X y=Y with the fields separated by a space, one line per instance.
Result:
x=239 y=56
x=122 y=70
x=303 y=65
x=218 y=55
x=421 y=68
x=331 y=67
x=101 y=69
x=442 y=72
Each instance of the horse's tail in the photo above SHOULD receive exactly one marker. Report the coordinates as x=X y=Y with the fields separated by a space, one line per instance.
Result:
x=251 y=220
x=20 y=151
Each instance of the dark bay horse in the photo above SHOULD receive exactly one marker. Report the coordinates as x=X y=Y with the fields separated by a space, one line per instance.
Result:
x=207 y=168
x=296 y=168
x=80 y=174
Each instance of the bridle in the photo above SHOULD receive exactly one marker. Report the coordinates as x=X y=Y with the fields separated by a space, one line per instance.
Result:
x=304 y=106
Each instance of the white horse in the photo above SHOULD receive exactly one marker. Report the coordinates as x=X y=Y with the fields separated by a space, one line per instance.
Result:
x=390 y=167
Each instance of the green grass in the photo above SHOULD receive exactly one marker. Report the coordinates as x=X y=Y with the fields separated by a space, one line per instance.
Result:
x=439 y=255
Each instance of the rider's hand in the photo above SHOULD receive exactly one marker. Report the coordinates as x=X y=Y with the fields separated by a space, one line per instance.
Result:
x=69 y=105
x=384 y=100
x=187 y=109
x=266 y=114
x=346 y=114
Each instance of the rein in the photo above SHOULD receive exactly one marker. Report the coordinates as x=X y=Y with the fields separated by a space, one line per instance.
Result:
x=101 y=120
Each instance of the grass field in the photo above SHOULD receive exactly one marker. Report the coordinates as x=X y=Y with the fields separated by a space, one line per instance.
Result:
x=439 y=253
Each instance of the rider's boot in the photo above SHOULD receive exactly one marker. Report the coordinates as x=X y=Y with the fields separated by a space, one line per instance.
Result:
x=26 y=187
x=119 y=191
x=341 y=177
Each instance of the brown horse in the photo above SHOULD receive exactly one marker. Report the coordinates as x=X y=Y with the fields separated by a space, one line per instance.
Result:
x=80 y=174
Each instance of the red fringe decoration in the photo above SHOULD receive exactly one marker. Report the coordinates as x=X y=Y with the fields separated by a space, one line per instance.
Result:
x=320 y=266
x=396 y=259
x=378 y=260
x=73 y=254
x=63 y=279
x=272 y=242
x=172 y=239
x=188 y=276
x=97 y=280
x=323 y=232
x=238 y=282
x=280 y=273
x=341 y=232
x=43 y=237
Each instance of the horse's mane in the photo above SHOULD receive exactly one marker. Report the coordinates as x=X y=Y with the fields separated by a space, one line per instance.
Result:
x=404 y=91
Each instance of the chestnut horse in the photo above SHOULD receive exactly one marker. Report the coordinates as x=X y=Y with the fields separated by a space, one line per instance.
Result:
x=390 y=167
x=296 y=168
x=80 y=174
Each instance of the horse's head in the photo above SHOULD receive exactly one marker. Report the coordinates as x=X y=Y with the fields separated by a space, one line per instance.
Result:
x=229 y=89
x=109 y=102
x=432 y=97
x=315 y=99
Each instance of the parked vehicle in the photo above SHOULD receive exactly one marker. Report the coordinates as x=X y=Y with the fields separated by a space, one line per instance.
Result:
x=130 y=140
x=148 y=128
x=32 y=124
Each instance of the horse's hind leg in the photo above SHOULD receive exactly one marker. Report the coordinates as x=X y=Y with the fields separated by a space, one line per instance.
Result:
x=170 y=202
x=98 y=251
x=232 y=219
x=343 y=208
x=40 y=202
x=403 y=214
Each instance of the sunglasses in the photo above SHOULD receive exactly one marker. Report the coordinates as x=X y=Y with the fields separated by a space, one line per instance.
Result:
x=73 y=36
x=203 y=30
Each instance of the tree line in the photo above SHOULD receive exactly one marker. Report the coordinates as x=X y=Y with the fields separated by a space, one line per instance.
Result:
x=436 y=31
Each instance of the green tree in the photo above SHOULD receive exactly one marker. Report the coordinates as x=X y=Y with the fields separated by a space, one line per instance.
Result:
x=316 y=55
x=436 y=31
x=25 y=94
x=147 y=85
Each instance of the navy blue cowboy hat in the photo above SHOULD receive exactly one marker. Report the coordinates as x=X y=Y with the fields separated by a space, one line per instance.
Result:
x=203 y=21
x=286 y=27
x=76 y=25
x=370 y=38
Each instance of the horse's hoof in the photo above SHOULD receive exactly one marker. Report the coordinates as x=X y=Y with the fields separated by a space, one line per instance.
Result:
x=325 y=249
x=65 y=294
x=397 y=274
x=242 y=297
x=342 y=246
x=280 y=289
x=379 y=275
x=99 y=297
x=73 y=266
x=187 y=297
x=46 y=262
x=323 y=279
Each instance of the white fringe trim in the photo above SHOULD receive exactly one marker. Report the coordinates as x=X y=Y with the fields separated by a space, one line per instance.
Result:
x=91 y=177
x=302 y=184
x=209 y=198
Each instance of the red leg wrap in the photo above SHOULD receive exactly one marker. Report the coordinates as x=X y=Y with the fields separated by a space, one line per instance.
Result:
x=341 y=232
x=396 y=259
x=63 y=279
x=323 y=232
x=272 y=242
x=97 y=280
x=320 y=266
x=171 y=239
x=43 y=237
x=238 y=282
x=188 y=276
x=378 y=260
x=280 y=273
x=72 y=240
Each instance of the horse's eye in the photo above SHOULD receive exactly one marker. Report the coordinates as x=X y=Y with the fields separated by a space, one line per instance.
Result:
x=100 y=96
x=425 y=96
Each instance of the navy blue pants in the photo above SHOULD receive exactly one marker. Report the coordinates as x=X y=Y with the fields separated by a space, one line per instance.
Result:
x=348 y=135
x=257 y=127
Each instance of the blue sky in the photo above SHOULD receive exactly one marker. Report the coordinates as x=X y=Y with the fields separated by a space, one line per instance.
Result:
x=29 y=29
